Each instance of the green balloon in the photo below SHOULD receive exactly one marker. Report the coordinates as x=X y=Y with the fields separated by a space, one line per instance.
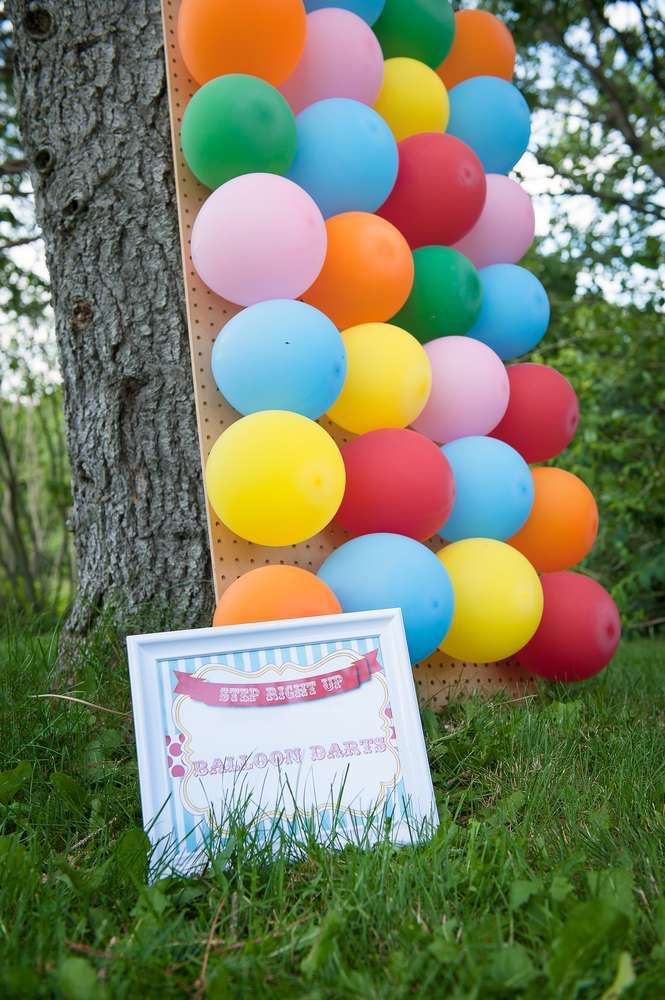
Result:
x=446 y=295
x=237 y=124
x=421 y=29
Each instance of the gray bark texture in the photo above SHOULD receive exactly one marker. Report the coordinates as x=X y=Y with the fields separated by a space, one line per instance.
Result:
x=93 y=110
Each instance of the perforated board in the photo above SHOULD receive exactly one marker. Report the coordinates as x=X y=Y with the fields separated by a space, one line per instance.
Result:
x=437 y=678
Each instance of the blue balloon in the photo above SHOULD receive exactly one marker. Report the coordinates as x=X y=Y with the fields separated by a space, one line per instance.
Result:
x=493 y=489
x=491 y=116
x=392 y=571
x=369 y=10
x=515 y=310
x=280 y=355
x=346 y=156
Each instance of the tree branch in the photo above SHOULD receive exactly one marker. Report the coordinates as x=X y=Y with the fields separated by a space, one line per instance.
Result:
x=10 y=167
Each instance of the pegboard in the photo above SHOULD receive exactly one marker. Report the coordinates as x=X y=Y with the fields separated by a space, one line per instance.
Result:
x=438 y=678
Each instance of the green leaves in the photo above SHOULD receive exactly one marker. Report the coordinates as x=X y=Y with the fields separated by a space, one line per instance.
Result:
x=77 y=980
x=11 y=782
x=591 y=930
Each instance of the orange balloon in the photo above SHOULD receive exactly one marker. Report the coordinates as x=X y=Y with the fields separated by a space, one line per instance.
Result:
x=563 y=523
x=272 y=593
x=368 y=272
x=483 y=46
x=264 y=38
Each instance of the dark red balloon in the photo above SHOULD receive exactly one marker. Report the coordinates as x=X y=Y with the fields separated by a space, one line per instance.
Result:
x=578 y=633
x=440 y=190
x=397 y=481
x=542 y=414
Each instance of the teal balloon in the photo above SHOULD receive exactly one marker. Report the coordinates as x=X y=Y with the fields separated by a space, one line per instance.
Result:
x=369 y=10
x=515 y=310
x=491 y=116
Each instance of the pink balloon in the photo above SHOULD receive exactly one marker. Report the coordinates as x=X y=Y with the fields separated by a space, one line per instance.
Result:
x=504 y=232
x=470 y=390
x=342 y=58
x=259 y=237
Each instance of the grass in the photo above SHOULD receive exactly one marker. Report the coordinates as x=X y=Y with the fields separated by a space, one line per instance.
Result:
x=544 y=879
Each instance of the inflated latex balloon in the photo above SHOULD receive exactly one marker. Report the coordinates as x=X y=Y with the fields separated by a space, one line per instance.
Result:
x=515 y=310
x=542 y=415
x=280 y=355
x=391 y=571
x=275 y=478
x=439 y=192
x=563 y=523
x=421 y=29
x=498 y=600
x=493 y=489
x=368 y=271
x=446 y=295
x=388 y=379
x=482 y=46
x=259 y=37
x=412 y=98
x=469 y=392
x=505 y=230
x=396 y=481
x=346 y=156
x=579 y=631
x=274 y=593
x=258 y=237
x=342 y=58
x=369 y=10
x=237 y=124
x=491 y=116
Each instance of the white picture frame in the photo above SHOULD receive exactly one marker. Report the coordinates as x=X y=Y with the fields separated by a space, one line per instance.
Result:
x=308 y=727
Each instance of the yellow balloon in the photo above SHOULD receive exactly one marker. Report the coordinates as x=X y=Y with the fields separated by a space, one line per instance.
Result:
x=388 y=379
x=412 y=99
x=275 y=478
x=498 y=600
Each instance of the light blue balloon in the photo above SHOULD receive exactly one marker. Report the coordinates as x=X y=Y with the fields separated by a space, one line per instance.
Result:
x=515 y=310
x=392 y=571
x=369 y=10
x=280 y=355
x=491 y=116
x=493 y=489
x=346 y=156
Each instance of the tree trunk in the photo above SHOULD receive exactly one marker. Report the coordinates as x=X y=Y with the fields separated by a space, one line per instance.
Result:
x=93 y=111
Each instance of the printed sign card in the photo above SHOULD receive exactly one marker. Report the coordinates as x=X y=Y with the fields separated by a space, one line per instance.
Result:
x=308 y=725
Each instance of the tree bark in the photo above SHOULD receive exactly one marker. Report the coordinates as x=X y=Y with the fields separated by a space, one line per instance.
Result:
x=93 y=112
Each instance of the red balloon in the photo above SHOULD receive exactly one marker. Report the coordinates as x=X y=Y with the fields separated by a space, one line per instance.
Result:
x=440 y=190
x=542 y=415
x=578 y=633
x=397 y=481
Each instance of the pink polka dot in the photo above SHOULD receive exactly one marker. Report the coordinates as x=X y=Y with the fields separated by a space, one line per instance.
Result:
x=178 y=771
x=167 y=740
x=170 y=760
x=182 y=737
x=176 y=749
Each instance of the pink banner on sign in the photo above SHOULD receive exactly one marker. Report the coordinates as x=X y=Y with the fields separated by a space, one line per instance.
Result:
x=279 y=692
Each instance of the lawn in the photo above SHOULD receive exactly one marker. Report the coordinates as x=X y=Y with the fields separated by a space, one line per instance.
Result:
x=544 y=879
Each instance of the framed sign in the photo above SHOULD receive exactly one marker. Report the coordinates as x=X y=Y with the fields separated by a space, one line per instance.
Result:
x=300 y=728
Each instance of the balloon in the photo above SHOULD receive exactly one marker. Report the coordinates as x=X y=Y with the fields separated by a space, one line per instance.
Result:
x=492 y=117
x=346 y=156
x=515 y=310
x=440 y=190
x=234 y=125
x=258 y=237
x=563 y=523
x=396 y=481
x=387 y=382
x=579 y=631
x=493 y=489
x=421 y=29
x=391 y=571
x=446 y=295
x=342 y=58
x=280 y=355
x=273 y=593
x=275 y=478
x=482 y=46
x=259 y=37
x=469 y=390
x=504 y=232
x=498 y=600
x=369 y=10
x=542 y=414
x=368 y=270
x=412 y=98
